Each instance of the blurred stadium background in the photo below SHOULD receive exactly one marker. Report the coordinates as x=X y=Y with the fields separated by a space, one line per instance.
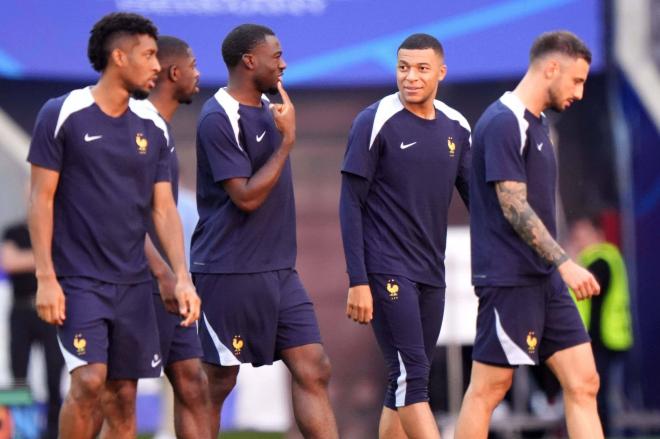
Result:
x=341 y=57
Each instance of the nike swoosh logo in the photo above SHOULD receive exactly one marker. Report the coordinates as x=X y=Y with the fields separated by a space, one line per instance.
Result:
x=172 y=150
x=539 y=145
x=259 y=138
x=89 y=138
x=407 y=145
x=155 y=363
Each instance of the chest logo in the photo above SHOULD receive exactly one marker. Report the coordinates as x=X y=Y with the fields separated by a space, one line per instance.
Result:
x=539 y=146
x=407 y=145
x=393 y=289
x=260 y=137
x=141 y=142
x=89 y=138
x=452 y=146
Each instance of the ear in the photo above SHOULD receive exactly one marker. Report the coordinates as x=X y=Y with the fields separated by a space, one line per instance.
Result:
x=248 y=61
x=551 y=68
x=443 y=72
x=173 y=73
x=118 y=57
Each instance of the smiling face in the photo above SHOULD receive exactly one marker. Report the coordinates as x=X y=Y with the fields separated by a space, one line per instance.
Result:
x=567 y=79
x=269 y=64
x=418 y=73
x=139 y=66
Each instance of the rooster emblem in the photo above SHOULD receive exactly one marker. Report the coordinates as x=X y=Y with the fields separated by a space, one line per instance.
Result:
x=79 y=343
x=393 y=289
x=451 y=145
x=238 y=343
x=141 y=142
x=532 y=341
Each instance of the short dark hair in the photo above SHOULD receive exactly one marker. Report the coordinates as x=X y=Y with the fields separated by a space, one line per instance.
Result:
x=171 y=47
x=422 y=41
x=560 y=41
x=110 y=28
x=241 y=40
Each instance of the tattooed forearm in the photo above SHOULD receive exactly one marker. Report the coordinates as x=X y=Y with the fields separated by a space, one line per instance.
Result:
x=512 y=196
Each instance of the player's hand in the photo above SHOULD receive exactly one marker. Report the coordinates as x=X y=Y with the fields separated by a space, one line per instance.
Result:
x=50 y=301
x=360 y=304
x=285 y=116
x=579 y=279
x=167 y=288
x=188 y=301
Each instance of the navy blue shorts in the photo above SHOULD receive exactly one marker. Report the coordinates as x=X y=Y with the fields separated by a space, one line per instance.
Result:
x=527 y=324
x=252 y=318
x=111 y=324
x=177 y=343
x=407 y=321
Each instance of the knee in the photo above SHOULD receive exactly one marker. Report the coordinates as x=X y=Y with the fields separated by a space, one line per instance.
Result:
x=315 y=372
x=221 y=380
x=490 y=392
x=87 y=385
x=192 y=386
x=583 y=388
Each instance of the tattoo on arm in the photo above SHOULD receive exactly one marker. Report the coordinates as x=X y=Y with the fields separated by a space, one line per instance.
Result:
x=512 y=196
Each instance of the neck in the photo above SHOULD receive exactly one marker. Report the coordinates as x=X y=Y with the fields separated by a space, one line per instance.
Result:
x=110 y=95
x=532 y=93
x=164 y=102
x=425 y=110
x=243 y=90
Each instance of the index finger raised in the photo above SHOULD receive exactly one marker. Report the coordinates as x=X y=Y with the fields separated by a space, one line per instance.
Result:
x=283 y=93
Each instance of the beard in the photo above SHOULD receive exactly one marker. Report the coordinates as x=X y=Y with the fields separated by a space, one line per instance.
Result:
x=264 y=87
x=554 y=102
x=140 y=94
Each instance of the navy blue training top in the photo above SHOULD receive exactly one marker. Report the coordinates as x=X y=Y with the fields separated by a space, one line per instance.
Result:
x=509 y=144
x=108 y=167
x=235 y=140
x=412 y=165
x=174 y=173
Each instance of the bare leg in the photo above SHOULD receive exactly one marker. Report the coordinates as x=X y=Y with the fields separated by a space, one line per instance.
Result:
x=81 y=411
x=119 y=409
x=222 y=380
x=488 y=385
x=310 y=371
x=390 y=425
x=576 y=371
x=191 y=399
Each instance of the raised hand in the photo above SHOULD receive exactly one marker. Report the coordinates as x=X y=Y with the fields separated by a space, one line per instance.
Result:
x=285 y=116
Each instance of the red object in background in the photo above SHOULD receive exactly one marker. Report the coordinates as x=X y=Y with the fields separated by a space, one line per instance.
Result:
x=6 y=424
x=611 y=223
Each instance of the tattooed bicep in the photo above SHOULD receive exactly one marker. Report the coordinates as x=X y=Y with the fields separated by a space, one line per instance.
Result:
x=511 y=192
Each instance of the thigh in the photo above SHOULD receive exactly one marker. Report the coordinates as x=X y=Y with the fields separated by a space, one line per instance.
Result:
x=239 y=317
x=397 y=319
x=432 y=309
x=296 y=320
x=573 y=365
x=177 y=342
x=510 y=325
x=563 y=326
x=134 y=350
x=84 y=336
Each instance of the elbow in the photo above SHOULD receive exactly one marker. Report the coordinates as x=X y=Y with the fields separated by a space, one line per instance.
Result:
x=247 y=206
